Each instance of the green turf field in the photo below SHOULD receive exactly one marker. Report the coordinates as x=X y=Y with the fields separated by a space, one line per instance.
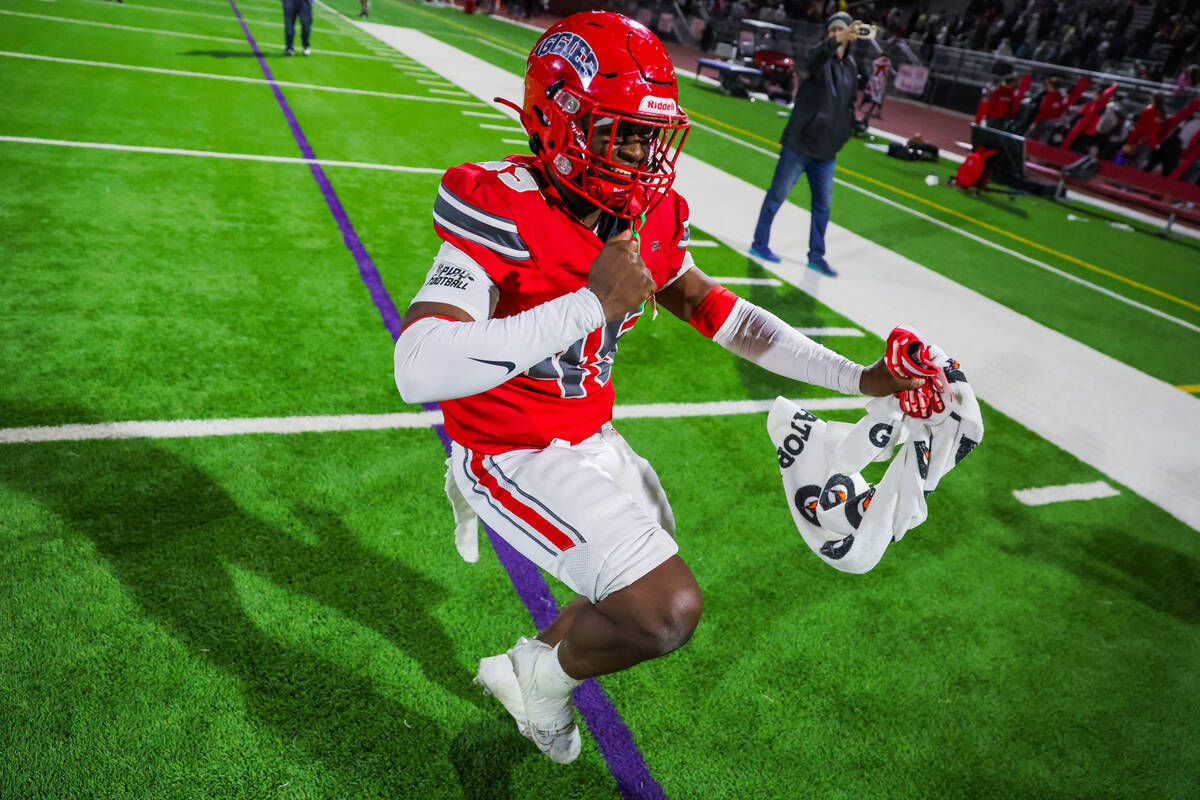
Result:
x=285 y=616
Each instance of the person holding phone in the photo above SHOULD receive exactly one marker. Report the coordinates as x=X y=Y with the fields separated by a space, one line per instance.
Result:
x=821 y=123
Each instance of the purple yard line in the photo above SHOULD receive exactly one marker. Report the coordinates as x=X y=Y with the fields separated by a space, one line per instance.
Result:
x=613 y=737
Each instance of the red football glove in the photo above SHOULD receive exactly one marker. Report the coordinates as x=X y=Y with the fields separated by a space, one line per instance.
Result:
x=908 y=357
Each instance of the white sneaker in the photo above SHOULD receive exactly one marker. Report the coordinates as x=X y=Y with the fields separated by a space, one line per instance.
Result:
x=308 y=51
x=549 y=712
x=497 y=678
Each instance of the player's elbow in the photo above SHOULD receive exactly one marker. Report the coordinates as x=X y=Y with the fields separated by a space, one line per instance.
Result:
x=411 y=380
x=413 y=391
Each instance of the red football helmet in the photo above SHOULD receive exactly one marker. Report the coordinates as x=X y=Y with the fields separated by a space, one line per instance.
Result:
x=593 y=80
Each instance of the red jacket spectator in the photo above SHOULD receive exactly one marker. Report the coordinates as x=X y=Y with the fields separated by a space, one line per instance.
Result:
x=1175 y=120
x=998 y=104
x=1190 y=154
x=1090 y=115
x=1148 y=126
x=1052 y=107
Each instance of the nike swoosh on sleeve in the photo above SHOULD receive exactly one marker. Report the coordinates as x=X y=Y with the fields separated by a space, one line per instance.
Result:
x=508 y=365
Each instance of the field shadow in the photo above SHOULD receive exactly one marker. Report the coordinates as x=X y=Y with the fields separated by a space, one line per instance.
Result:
x=1001 y=200
x=1154 y=576
x=483 y=755
x=176 y=541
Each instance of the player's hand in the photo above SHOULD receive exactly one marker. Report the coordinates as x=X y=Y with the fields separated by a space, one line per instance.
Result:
x=848 y=34
x=907 y=357
x=877 y=381
x=619 y=277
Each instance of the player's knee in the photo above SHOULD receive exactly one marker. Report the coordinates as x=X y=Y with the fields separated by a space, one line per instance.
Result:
x=679 y=615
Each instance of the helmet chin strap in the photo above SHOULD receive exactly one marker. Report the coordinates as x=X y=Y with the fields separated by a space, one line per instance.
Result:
x=635 y=229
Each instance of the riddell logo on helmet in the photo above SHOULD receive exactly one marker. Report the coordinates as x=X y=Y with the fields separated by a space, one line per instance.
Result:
x=658 y=105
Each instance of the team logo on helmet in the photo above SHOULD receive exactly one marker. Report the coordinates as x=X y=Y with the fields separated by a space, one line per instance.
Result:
x=575 y=50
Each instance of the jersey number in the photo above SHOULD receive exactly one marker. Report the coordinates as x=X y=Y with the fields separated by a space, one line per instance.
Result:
x=514 y=176
x=587 y=364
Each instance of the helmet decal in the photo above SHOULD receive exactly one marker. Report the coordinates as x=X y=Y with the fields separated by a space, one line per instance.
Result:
x=575 y=51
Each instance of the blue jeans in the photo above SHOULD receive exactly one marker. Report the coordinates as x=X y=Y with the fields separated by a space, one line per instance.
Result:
x=820 y=181
x=292 y=9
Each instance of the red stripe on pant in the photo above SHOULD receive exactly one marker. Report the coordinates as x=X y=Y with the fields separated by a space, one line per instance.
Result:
x=516 y=507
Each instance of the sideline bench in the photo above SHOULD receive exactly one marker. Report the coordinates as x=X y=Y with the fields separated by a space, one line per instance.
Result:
x=1166 y=197
x=723 y=68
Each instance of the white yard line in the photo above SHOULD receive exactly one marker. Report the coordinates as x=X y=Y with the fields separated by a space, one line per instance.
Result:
x=172 y=151
x=505 y=128
x=238 y=79
x=515 y=141
x=703 y=243
x=519 y=24
x=502 y=48
x=190 y=428
x=1136 y=429
x=484 y=114
x=1044 y=495
x=159 y=32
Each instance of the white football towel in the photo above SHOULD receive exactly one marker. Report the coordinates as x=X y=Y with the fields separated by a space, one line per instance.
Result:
x=466 y=521
x=844 y=520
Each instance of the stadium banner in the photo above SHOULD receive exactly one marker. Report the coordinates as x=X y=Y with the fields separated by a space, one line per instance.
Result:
x=911 y=78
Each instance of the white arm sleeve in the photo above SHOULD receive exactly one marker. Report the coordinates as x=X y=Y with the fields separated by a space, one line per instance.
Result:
x=439 y=359
x=759 y=336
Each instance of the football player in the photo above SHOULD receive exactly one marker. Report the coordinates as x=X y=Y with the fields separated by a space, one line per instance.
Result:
x=547 y=261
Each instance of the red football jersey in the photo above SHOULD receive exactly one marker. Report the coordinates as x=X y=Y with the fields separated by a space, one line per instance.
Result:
x=506 y=217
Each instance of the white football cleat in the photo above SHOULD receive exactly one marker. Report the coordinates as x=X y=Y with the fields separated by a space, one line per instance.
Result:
x=497 y=678
x=549 y=712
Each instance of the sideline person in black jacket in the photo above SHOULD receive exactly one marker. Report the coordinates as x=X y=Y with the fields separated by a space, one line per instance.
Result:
x=820 y=124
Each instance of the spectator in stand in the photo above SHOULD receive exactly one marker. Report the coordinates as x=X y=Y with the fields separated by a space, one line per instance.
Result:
x=1188 y=79
x=872 y=96
x=1167 y=154
x=996 y=108
x=1110 y=147
x=979 y=36
x=1004 y=49
x=1047 y=107
x=1111 y=122
x=1083 y=132
x=1144 y=137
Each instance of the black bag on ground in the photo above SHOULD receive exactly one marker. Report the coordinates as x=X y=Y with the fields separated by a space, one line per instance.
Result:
x=1083 y=169
x=913 y=151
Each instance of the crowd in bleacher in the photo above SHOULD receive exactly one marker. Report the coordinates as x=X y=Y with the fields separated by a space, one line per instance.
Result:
x=1099 y=123
x=1156 y=41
